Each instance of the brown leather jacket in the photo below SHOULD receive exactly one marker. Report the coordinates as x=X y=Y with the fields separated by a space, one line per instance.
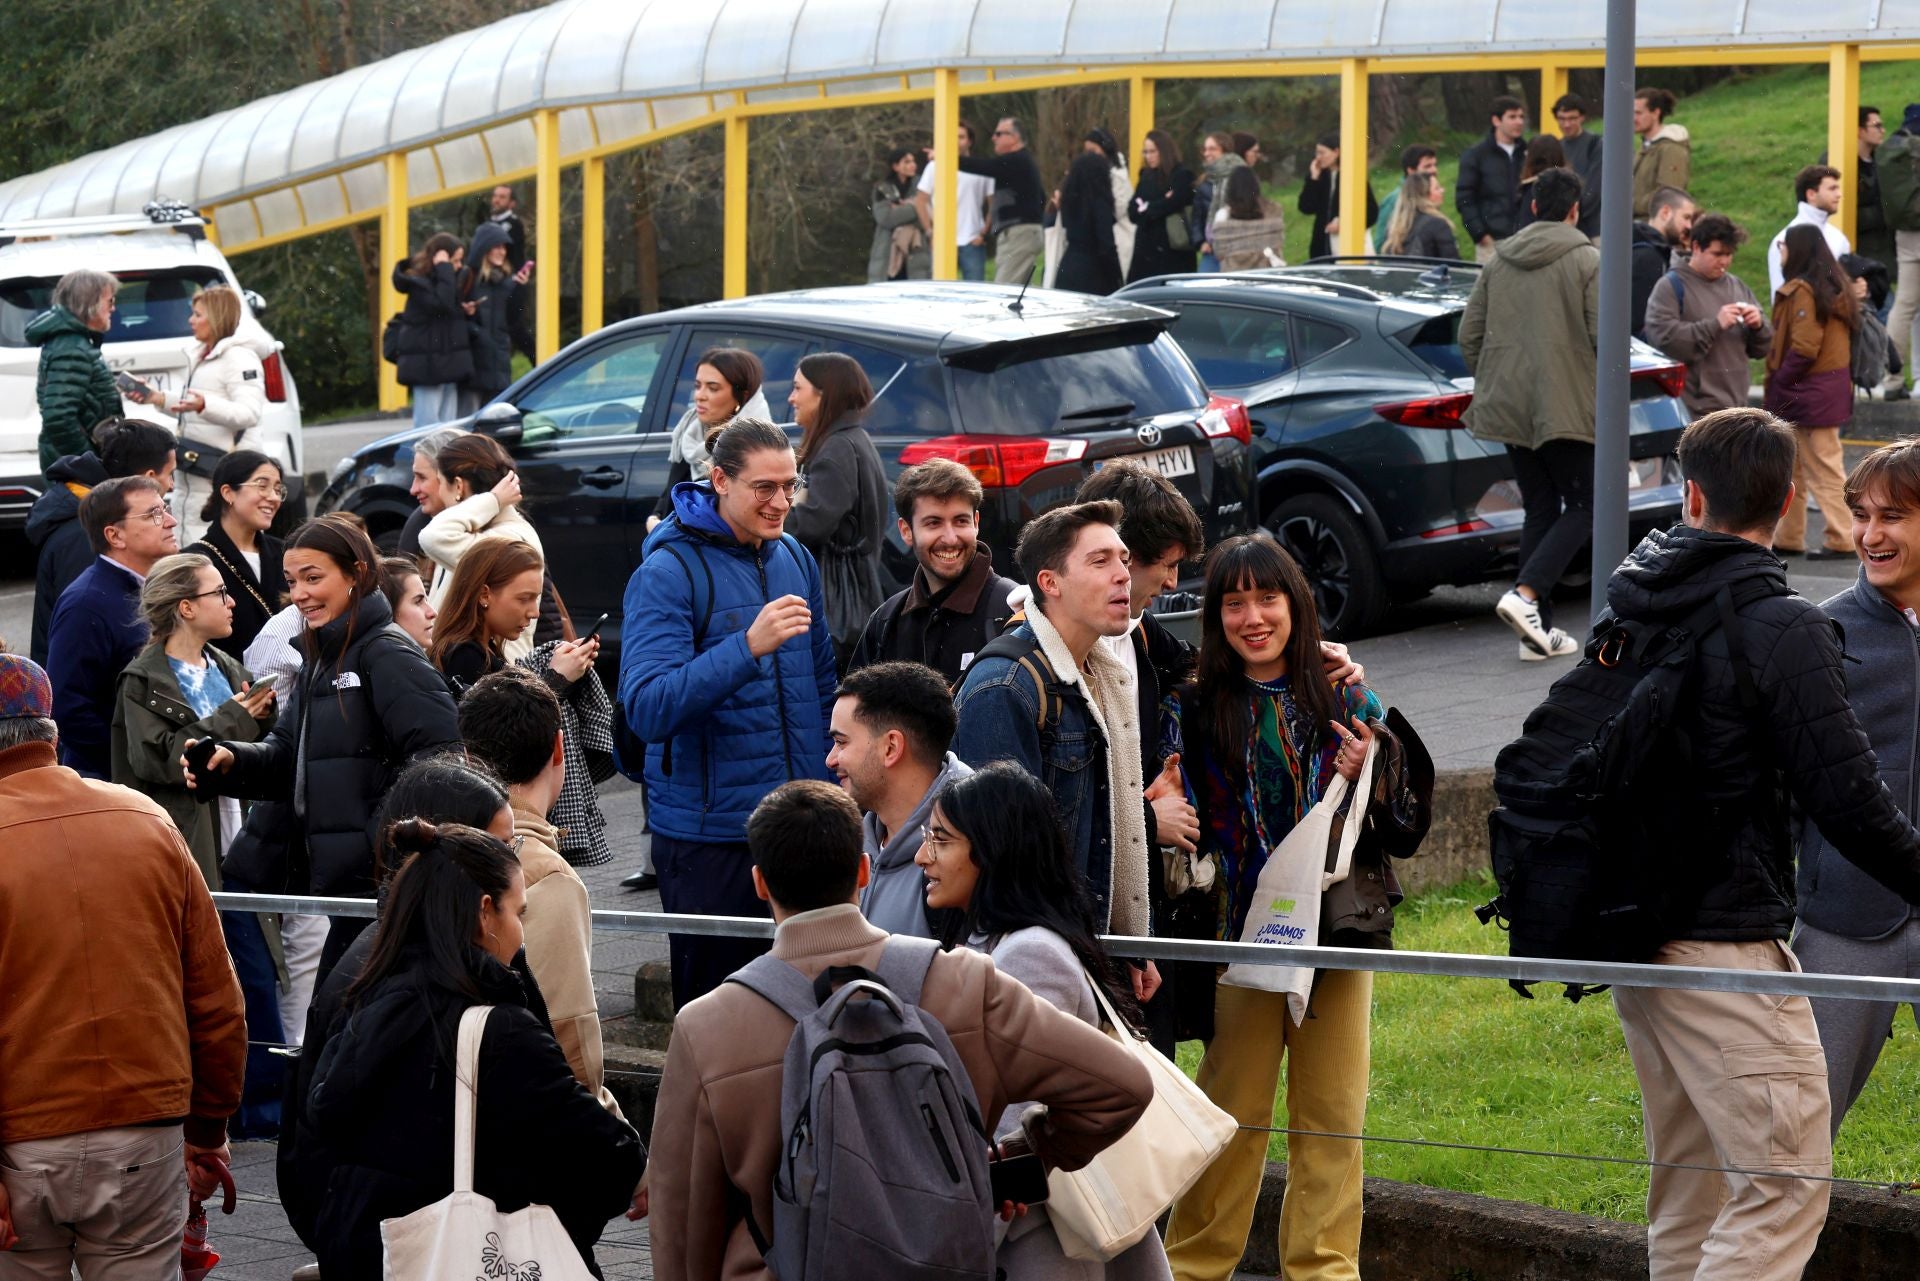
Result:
x=120 y=1006
x=716 y=1131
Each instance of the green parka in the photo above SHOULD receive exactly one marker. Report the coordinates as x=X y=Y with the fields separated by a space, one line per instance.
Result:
x=75 y=387
x=1529 y=336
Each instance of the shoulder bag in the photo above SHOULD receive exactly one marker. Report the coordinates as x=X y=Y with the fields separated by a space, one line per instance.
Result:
x=462 y=1235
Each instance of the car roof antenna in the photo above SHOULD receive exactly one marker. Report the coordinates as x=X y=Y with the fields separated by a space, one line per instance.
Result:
x=1014 y=306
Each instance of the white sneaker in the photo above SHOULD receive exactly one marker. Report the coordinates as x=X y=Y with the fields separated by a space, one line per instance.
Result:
x=1559 y=645
x=1523 y=615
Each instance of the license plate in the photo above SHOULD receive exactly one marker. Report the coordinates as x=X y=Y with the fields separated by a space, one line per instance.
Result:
x=1177 y=461
x=159 y=380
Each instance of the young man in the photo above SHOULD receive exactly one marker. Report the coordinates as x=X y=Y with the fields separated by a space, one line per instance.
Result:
x=1850 y=923
x=1734 y=1078
x=1665 y=158
x=955 y=603
x=510 y=723
x=1488 y=191
x=1704 y=315
x=1582 y=149
x=970 y=212
x=96 y=628
x=1817 y=188
x=891 y=726
x=1529 y=336
x=1019 y=201
x=1896 y=165
x=1658 y=247
x=1415 y=159
x=716 y=1134
x=504 y=212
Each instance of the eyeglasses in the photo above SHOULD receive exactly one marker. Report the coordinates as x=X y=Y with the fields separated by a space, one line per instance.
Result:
x=221 y=592
x=763 y=490
x=159 y=516
x=933 y=840
x=266 y=486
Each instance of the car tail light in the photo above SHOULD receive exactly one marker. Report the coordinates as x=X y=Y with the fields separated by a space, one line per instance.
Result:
x=1464 y=527
x=998 y=462
x=275 y=378
x=1226 y=416
x=1670 y=379
x=1429 y=411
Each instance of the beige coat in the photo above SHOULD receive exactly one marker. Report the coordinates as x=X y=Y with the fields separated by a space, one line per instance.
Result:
x=716 y=1130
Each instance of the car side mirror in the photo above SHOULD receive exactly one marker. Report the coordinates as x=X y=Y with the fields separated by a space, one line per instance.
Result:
x=255 y=303
x=500 y=420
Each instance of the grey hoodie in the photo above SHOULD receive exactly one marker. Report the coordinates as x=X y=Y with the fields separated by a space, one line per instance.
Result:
x=895 y=899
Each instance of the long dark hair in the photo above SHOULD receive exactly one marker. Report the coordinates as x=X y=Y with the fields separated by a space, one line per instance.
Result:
x=434 y=903
x=844 y=393
x=1243 y=200
x=1217 y=701
x=230 y=473
x=1544 y=152
x=1809 y=259
x=421 y=264
x=1169 y=154
x=448 y=788
x=1087 y=181
x=490 y=563
x=1026 y=875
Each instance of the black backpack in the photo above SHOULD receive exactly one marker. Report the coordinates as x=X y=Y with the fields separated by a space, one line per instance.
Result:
x=1600 y=844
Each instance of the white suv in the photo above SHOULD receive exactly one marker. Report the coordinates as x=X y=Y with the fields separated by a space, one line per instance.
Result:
x=162 y=258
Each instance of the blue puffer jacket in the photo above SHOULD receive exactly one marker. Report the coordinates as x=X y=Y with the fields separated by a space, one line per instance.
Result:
x=722 y=728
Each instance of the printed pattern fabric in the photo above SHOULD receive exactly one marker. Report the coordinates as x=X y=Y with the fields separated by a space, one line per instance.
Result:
x=1290 y=761
x=204 y=687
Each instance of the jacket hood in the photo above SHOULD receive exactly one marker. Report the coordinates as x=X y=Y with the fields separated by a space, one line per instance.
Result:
x=1674 y=571
x=1645 y=233
x=1541 y=244
x=59 y=504
x=904 y=843
x=53 y=322
x=698 y=508
x=1672 y=133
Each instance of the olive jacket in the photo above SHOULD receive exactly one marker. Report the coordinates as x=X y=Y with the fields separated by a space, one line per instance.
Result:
x=1529 y=336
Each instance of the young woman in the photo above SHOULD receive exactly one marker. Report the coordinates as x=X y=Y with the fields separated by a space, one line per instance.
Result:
x=726 y=386
x=407 y=597
x=1419 y=226
x=365 y=703
x=840 y=513
x=1120 y=186
x=383 y=1099
x=491 y=600
x=1810 y=384
x=1162 y=196
x=434 y=343
x=1218 y=160
x=480 y=499
x=900 y=250
x=1248 y=229
x=1091 y=263
x=248 y=489
x=487 y=285
x=1261 y=733
x=1543 y=153
x=994 y=854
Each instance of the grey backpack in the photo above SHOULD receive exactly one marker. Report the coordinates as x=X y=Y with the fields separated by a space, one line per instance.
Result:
x=883 y=1172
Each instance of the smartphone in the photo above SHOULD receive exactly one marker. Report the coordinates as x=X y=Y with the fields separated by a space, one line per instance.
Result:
x=1018 y=1178
x=131 y=387
x=199 y=754
x=594 y=631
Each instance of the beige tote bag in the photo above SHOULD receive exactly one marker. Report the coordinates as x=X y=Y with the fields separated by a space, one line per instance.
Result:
x=463 y=1236
x=1109 y=1205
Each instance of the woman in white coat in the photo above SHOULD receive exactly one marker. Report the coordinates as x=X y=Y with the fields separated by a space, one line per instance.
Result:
x=480 y=498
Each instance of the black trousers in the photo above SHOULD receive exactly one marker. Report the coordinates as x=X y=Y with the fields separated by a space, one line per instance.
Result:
x=1556 y=491
x=706 y=880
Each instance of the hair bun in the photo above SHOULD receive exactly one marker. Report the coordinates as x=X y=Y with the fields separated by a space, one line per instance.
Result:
x=104 y=431
x=713 y=434
x=414 y=835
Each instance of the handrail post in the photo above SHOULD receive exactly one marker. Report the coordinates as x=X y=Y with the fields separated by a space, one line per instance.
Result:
x=1843 y=131
x=946 y=174
x=733 y=281
x=593 y=243
x=1352 y=212
x=546 y=234
x=393 y=248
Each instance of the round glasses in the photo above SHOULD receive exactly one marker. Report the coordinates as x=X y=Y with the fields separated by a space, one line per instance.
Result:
x=264 y=486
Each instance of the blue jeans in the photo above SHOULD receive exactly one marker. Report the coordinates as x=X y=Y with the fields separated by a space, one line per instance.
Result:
x=973 y=262
x=438 y=403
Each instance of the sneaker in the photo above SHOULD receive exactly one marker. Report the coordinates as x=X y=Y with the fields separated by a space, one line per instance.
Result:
x=1559 y=645
x=1523 y=615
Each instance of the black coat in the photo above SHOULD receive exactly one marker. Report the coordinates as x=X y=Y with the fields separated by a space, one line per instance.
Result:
x=1652 y=259
x=435 y=340
x=369 y=703
x=1487 y=193
x=1320 y=197
x=1815 y=750
x=382 y=1102
x=942 y=627
x=1091 y=264
x=1157 y=200
x=53 y=528
x=492 y=331
x=255 y=599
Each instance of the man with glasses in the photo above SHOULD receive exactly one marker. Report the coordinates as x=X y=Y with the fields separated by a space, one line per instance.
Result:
x=1019 y=201
x=96 y=629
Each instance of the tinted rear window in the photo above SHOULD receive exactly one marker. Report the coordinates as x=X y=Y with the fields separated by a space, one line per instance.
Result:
x=150 y=304
x=1437 y=343
x=1053 y=388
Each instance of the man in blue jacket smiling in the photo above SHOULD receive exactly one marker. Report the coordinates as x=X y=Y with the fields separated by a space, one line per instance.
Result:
x=726 y=673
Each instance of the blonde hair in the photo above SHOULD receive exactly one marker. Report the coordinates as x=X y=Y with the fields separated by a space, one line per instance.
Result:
x=1416 y=198
x=171 y=580
x=222 y=306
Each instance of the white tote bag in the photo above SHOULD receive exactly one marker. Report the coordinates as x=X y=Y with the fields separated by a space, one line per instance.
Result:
x=462 y=1236
x=1110 y=1204
x=1285 y=911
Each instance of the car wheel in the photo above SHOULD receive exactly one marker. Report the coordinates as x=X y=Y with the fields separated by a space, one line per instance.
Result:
x=1334 y=552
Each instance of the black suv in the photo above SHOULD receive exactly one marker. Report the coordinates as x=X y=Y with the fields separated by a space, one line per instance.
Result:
x=1352 y=375
x=1029 y=393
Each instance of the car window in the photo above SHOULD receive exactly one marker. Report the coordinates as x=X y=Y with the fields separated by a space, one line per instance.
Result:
x=149 y=304
x=1437 y=343
x=1064 y=385
x=603 y=392
x=910 y=395
x=1235 y=346
x=1315 y=338
x=779 y=356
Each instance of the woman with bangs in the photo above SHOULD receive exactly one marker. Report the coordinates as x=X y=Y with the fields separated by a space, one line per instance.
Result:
x=1261 y=733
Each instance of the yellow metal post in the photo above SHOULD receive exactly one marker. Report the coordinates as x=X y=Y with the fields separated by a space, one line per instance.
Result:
x=733 y=280
x=946 y=173
x=1553 y=83
x=1353 y=157
x=1843 y=128
x=1139 y=117
x=593 y=243
x=393 y=247
x=546 y=233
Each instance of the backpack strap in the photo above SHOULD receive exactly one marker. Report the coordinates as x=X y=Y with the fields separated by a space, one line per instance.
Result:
x=903 y=966
x=1679 y=294
x=704 y=613
x=779 y=983
x=1025 y=652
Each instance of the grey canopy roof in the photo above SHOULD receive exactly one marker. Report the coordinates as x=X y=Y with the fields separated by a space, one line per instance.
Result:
x=620 y=71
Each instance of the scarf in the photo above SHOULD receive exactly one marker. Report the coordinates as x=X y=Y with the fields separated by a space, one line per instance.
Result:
x=689 y=443
x=1219 y=170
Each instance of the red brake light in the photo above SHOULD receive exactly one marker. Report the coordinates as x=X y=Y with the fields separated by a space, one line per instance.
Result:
x=275 y=378
x=1445 y=412
x=998 y=462
x=1475 y=526
x=1672 y=379
x=1226 y=416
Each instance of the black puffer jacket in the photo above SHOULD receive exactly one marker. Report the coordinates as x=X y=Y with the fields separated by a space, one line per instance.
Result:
x=435 y=339
x=1815 y=750
x=492 y=321
x=365 y=706
x=1652 y=257
x=1487 y=193
x=382 y=1107
x=53 y=527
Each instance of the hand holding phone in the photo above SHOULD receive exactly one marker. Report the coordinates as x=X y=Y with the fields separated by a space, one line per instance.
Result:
x=1019 y=1179
x=594 y=631
x=132 y=388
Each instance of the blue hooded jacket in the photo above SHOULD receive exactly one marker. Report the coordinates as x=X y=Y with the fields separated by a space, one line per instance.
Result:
x=722 y=727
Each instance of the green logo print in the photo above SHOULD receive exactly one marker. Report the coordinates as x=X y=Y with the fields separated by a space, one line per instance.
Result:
x=1282 y=905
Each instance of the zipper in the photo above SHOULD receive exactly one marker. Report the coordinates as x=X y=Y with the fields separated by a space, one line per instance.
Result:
x=779 y=682
x=940 y=1142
